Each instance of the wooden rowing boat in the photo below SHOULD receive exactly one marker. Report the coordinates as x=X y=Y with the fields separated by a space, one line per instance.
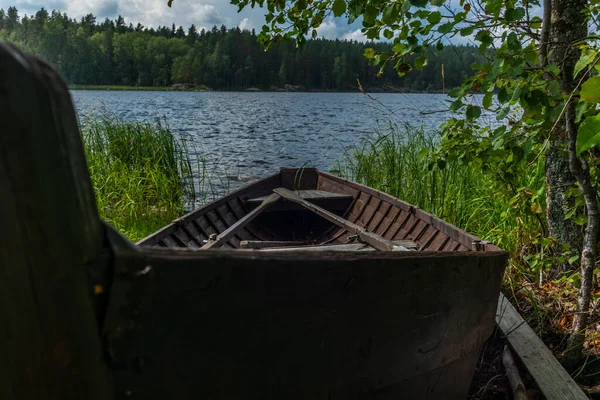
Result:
x=320 y=288
x=269 y=220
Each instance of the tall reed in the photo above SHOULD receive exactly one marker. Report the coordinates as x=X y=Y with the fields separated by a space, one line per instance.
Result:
x=399 y=161
x=142 y=175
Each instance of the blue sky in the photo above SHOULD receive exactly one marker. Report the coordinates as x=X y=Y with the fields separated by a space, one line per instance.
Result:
x=202 y=13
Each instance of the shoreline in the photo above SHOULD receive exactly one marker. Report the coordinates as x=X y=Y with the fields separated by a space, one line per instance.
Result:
x=118 y=88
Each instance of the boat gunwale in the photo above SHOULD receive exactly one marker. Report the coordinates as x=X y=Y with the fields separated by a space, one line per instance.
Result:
x=423 y=215
x=168 y=229
x=251 y=254
x=455 y=233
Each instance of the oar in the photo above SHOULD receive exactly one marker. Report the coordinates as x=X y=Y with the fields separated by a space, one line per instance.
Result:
x=228 y=233
x=371 y=238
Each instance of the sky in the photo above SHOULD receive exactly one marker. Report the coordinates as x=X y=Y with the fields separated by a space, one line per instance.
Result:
x=154 y=13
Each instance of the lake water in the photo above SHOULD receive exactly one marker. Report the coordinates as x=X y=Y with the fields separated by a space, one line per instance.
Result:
x=244 y=135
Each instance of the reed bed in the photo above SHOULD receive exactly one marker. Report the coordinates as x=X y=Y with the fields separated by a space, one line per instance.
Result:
x=142 y=175
x=400 y=161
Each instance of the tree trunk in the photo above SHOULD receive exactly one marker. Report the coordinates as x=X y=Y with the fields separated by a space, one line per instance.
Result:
x=558 y=179
x=567 y=26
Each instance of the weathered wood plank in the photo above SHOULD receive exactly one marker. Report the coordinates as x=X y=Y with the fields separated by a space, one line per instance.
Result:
x=236 y=319
x=263 y=244
x=309 y=195
x=456 y=234
x=49 y=230
x=224 y=236
x=552 y=379
x=333 y=247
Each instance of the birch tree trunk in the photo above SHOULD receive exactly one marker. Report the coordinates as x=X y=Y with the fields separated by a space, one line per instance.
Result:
x=568 y=27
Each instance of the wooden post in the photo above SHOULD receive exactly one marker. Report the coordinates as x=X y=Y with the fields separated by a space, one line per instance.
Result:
x=49 y=230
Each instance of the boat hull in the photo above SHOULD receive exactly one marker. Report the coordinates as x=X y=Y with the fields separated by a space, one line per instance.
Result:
x=298 y=325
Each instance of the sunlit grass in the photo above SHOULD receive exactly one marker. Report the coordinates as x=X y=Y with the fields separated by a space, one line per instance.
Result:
x=142 y=174
x=399 y=161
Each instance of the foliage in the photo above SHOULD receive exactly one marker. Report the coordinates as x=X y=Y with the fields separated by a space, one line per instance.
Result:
x=142 y=175
x=113 y=53
x=401 y=161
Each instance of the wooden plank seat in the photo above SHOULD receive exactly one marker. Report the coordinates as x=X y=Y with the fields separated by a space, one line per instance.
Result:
x=308 y=195
x=401 y=245
x=328 y=200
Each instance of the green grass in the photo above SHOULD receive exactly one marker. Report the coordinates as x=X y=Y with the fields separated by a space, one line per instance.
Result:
x=399 y=161
x=142 y=175
x=117 y=87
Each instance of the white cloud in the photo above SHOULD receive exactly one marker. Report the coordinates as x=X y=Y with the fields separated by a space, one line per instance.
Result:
x=246 y=25
x=356 y=35
x=327 y=29
x=154 y=13
x=150 y=13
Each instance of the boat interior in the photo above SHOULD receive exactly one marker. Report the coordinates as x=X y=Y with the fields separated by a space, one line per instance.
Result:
x=311 y=210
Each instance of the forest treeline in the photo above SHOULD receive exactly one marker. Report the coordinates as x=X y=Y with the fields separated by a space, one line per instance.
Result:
x=88 y=52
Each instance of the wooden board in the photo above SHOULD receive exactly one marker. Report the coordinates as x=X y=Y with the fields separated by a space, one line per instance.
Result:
x=550 y=376
x=309 y=195
x=301 y=325
x=403 y=245
x=224 y=236
x=259 y=244
x=333 y=247
x=50 y=234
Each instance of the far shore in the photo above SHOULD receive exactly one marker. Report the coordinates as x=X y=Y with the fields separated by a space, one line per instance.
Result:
x=249 y=90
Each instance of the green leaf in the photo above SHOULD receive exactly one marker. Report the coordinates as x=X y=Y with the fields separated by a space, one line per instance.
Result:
x=586 y=58
x=553 y=69
x=582 y=108
x=466 y=31
x=369 y=52
x=473 y=112
x=446 y=28
x=514 y=14
x=590 y=90
x=588 y=135
x=400 y=49
x=455 y=92
x=421 y=62
x=170 y=3
x=581 y=220
x=434 y=17
x=390 y=14
x=503 y=113
x=516 y=94
x=554 y=88
x=338 y=8
x=536 y=22
x=437 y=3
x=439 y=46
x=503 y=95
x=573 y=259
x=403 y=68
x=487 y=100
x=370 y=15
x=531 y=56
x=456 y=105
x=513 y=42
x=419 y=3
